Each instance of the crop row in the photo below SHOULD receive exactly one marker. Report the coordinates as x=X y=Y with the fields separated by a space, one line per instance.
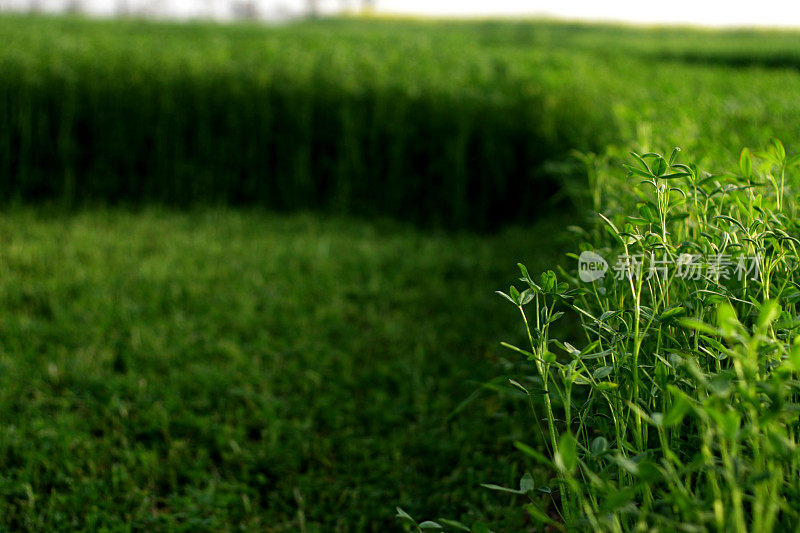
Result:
x=437 y=123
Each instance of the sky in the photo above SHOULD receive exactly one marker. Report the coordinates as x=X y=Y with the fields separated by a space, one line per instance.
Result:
x=774 y=13
x=701 y=12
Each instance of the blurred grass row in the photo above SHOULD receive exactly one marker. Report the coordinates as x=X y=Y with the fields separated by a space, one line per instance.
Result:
x=440 y=123
x=338 y=117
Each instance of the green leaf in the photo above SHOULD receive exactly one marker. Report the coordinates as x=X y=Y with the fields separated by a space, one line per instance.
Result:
x=498 y=488
x=779 y=150
x=658 y=167
x=641 y=160
x=526 y=277
x=714 y=344
x=599 y=446
x=633 y=170
x=524 y=270
x=731 y=220
x=518 y=385
x=647 y=213
x=671 y=313
x=629 y=465
x=567 y=455
x=526 y=484
x=514 y=293
x=506 y=296
x=675 y=175
x=548 y=280
x=598 y=355
x=746 y=163
x=428 y=524
x=680 y=407
x=770 y=310
x=602 y=372
x=726 y=320
x=526 y=296
x=673 y=155
x=567 y=347
x=606 y=386
x=405 y=516
x=453 y=523
x=697 y=325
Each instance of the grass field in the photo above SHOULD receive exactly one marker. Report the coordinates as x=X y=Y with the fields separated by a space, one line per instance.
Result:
x=213 y=370
x=177 y=352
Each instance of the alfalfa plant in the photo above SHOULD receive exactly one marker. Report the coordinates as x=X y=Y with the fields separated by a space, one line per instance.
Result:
x=678 y=409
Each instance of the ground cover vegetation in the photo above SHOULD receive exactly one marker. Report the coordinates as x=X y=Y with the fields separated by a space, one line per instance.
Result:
x=679 y=410
x=174 y=357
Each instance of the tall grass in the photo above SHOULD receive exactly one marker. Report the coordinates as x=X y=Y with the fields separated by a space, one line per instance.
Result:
x=437 y=123
x=295 y=118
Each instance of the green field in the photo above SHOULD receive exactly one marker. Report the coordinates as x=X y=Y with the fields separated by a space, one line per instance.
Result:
x=248 y=272
x=215 y=370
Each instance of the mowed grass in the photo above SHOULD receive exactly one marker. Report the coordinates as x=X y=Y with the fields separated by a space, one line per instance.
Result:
x=218 y=370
